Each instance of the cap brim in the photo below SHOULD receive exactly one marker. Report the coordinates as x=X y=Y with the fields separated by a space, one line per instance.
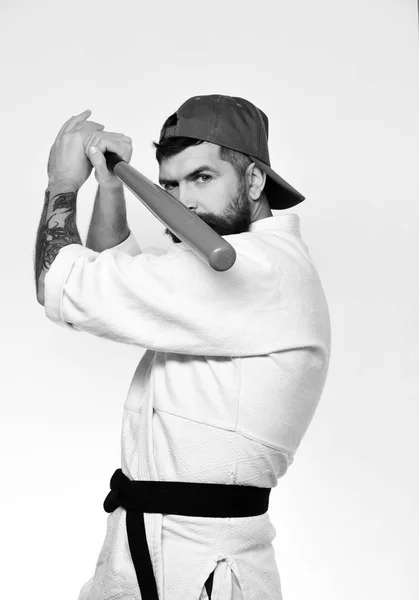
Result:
x=280 y=193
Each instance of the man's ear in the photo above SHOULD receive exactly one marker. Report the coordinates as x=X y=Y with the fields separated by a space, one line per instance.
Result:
x=256 y=180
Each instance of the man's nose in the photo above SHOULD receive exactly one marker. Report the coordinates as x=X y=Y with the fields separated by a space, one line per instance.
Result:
x=187 y=196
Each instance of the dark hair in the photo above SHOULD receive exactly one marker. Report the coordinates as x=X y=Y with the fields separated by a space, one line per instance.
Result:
x=173 y=145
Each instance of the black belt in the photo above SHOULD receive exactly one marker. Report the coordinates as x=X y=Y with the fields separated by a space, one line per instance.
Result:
x=175 y=498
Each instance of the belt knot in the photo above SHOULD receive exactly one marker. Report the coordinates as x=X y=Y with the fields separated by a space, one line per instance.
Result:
x=112 y=500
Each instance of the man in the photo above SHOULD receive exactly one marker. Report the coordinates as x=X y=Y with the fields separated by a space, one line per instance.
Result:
x=235 y=361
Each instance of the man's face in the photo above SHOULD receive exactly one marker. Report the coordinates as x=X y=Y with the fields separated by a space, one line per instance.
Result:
x=209 y=187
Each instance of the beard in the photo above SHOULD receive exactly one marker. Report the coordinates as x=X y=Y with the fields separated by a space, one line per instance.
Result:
x=237 y=217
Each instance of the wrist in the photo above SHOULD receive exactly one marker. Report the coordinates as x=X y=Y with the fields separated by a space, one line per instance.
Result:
x=61 y=186
x=115 y=185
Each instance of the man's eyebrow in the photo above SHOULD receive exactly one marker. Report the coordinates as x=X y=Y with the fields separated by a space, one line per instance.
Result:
x=190 y=175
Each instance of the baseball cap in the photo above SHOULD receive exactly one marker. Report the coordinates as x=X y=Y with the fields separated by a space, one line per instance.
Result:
x=237 y=124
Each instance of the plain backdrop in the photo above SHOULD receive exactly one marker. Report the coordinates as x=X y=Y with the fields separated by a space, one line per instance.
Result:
x=340 y=84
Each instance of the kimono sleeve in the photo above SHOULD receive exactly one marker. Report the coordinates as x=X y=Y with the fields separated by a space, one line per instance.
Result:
x=169 y=303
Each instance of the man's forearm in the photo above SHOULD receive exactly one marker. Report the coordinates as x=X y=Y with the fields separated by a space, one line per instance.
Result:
x=108 y=224
x=57 y=228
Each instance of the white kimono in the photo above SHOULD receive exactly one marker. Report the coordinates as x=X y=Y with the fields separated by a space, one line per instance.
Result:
x=234 y=368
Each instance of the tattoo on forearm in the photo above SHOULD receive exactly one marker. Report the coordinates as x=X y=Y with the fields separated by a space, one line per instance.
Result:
x=57 y=229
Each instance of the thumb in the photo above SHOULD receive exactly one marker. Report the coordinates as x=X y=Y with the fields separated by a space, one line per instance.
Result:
x=96 y=157
x=102 y=173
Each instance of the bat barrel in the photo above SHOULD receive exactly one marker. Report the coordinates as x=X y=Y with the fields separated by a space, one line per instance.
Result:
x=186 y=225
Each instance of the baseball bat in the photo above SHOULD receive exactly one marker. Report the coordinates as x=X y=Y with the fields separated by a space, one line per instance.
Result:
x=186 y=225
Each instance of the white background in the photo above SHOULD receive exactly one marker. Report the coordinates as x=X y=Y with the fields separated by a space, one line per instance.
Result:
x=339 y=82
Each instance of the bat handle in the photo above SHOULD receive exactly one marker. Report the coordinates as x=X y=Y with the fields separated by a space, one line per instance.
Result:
x=112 y=160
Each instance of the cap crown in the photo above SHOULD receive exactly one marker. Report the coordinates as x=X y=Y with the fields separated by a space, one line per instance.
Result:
x=227 y=121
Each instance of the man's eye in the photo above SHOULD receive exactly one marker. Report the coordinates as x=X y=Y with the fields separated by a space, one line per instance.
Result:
x=204 y=177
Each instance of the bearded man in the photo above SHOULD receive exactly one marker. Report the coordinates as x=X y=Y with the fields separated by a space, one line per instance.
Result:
x=235 y=362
